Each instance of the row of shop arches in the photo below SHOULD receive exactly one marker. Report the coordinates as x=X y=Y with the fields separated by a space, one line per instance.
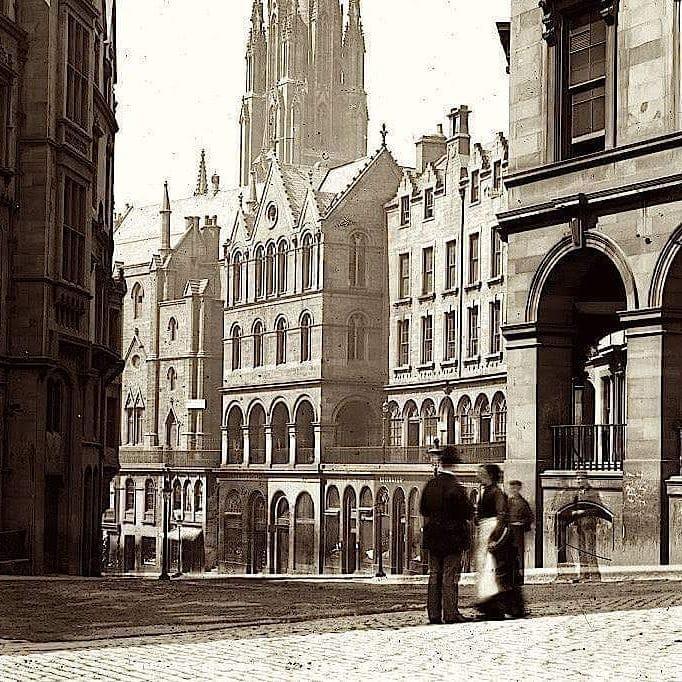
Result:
x=355 y=527
x=481 y=421
x=247 y=436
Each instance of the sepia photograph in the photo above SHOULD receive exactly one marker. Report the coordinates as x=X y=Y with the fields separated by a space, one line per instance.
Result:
x=340 y=339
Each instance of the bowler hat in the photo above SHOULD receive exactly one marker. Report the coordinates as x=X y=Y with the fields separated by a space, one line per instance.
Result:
x=449 y=456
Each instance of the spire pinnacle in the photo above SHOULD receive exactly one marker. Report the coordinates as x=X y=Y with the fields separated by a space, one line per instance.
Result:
x=202 y=179
x=354 y=10
x=165 y=203
x=257 y=13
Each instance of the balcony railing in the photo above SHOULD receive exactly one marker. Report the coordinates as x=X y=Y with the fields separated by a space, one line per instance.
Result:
x=474 y=453
x=594 y=447
x=205 y=459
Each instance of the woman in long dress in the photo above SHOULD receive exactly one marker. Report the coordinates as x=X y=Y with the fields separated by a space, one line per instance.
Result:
x=498 y=583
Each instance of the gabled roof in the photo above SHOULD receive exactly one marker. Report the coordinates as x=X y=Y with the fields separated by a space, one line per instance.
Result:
x=196 y=287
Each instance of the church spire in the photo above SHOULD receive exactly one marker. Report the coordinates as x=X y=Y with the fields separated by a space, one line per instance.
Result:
x=202 y=179
x=165 y=213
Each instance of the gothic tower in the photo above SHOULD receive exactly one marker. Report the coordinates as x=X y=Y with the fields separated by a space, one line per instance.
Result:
x=305 y=94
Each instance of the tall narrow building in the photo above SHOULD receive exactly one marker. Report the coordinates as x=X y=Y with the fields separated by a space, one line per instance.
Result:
x=305 y=95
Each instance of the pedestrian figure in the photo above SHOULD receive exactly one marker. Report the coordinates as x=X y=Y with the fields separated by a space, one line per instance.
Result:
x=498 y=581
x=447 y=511
x=520 y=522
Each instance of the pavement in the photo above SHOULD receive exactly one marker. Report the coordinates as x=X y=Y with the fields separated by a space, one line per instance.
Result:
x=603 y=631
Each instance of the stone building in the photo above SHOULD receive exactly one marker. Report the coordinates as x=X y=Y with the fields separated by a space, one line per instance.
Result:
x=59 y=307
x=593 y=286
x=170 y=406
x=305 y=94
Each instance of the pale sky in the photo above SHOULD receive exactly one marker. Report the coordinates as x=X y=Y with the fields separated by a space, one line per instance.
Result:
x=181 y=76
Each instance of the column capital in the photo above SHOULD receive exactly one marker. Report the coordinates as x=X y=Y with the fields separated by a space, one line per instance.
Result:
x=528 y=334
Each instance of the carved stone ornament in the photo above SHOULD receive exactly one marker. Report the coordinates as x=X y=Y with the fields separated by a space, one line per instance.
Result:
x=608 y=9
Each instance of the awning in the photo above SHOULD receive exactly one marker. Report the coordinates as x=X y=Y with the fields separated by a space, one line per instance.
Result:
x=187 y=533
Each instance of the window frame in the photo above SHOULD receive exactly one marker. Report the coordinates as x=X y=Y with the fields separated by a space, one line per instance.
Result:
x=405 y=210
x=450 y=335
x=403 y=343
x=474 y=262
x=475 y=189
x=429 y=203
x=427 y=339
x=473 y=331
x=451 y=265
x=403 y=276
x=428 y=254
x=77 y=72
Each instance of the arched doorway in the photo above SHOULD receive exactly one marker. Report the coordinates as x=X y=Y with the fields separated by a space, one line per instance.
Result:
x=447 y=419
x=332 y=531
x=415 y=562
x=282 y=521
x=398 y=528
x=411 y=418
x=257 y=435
x=258 y=533
x=233 y=553
x=235 y=435
x=304 y=535
x=583 y=294
x=366 y=540
x=305 y=433
x=356 y=424
x=350 y=531
x=280 y=434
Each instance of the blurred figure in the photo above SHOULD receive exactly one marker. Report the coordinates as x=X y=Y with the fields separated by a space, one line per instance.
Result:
x=520 y=522
x=447 y=511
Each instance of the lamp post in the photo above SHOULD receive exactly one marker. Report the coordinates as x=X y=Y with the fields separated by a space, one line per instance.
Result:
x=435 y=453
x=177 y=517
x=381 y=501
x=164 y=545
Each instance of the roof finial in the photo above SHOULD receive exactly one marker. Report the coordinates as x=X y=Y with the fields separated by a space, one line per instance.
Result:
x=202 y=180
x=384 y=133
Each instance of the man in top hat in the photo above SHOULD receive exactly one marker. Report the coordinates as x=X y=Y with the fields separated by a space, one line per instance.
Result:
x=520 y=522
x=447 y=512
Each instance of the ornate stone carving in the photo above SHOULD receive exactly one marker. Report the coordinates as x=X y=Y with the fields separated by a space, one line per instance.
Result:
x=549 y=22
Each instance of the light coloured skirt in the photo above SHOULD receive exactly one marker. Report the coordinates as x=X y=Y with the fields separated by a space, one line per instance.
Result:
x=487 y=584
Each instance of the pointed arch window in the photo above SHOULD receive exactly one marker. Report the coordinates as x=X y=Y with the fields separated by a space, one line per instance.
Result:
x=258 y=344
x=307 y=261
x=356 y=338
x=281 y=336
x=137 y=296
x=187 y=497
x=198 y=497
x=466 y=421
x=259 y=271
x=236 y=347
x=172 y=430
x=430 y=421
x=270 y=270
x=149 y=496
x=306 y=340
x=177 y=495
x=134 y=419
x=237 y=278
x=130 y=495
x=357 y=263
x=172 y=378
x=282 y=253
x=172 y=328
x=499 y=409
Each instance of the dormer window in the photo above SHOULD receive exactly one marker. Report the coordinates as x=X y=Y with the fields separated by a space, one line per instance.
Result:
x=475 y=186
x=428 y=203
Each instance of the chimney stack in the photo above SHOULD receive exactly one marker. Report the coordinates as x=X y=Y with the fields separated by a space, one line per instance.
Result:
x=459 y=127
x=430 y=148
x=215 y=181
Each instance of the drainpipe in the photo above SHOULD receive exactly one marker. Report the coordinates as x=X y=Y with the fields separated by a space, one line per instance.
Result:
x=462 y=196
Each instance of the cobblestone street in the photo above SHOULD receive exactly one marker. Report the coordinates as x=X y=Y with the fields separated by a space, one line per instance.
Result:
x=642 y=645
x=617 y=631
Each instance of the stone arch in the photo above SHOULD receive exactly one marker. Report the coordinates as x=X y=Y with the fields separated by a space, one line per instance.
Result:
x=593 y=240
x=280 y=519
x=446 y=414
x=257 y=532
x=663 y=268
x=279 y=429
x=304 y=534
x=356 y=422
x=304 y=421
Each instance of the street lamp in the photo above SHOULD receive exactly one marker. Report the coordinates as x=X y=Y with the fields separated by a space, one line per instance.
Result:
x=436 y=451
x=382 y=499
x=177 y=517
x=164 y=545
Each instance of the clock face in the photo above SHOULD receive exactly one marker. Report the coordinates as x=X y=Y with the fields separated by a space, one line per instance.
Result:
x=271 y=213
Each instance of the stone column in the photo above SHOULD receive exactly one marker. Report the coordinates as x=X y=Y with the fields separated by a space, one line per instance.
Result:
x=268 y=444
x=224 y=447
x=539 y=396
x=247 y=449
x=654 y=394
x=291 y=430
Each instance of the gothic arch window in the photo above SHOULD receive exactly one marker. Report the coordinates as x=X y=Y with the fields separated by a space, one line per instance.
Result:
x=357 y=275
x=172 y=378
x=177 y=495
x=130 y=495
x=499 y=410
x=259 y=271
x=466 y=421
x=258 y=344
x=357 y=342
x=172 y=430
x=395 y=426
x=198 y=496
x=282 y=253
x=236 y=347
x=430 y=421
x=172 y=329
x=281 y=337
x=137 y=296
x=134 y=410
x=187 y=497
x=483 y=417
x=149 y=496
x=237 y=278
x=307 y=261
x=270 y=270
x=306 y=340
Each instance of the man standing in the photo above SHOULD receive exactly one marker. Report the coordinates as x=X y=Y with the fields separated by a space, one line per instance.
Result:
x=447 y=512
x=520 y=522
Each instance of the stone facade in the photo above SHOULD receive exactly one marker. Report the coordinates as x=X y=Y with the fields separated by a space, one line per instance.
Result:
x=593 y=250
x=59 y=307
